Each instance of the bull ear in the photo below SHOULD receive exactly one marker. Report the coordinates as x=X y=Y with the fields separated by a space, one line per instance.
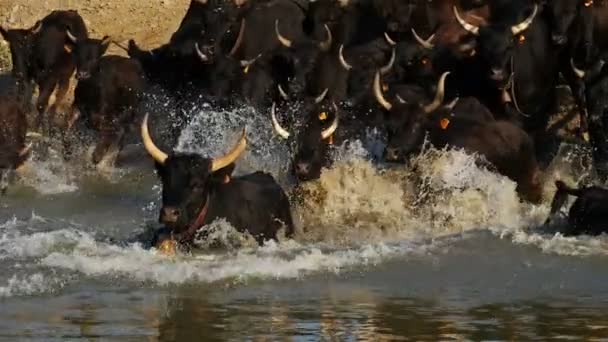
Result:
x=105 y=43
x=223 y=176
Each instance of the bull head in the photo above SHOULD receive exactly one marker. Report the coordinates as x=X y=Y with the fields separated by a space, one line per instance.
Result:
x=324 y=45
x=218 y=163
x=436 y=103
x=515 y=29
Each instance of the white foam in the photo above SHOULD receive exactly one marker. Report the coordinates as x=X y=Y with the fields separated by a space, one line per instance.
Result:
x=26 y=285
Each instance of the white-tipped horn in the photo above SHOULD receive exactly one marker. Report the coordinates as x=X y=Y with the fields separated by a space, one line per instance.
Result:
x=155 y=152
x=329 y=131
x=578 y=72
x=389 y=40
x=521 y=27
x=284 y=41
x=427 y=44
x=385 y=69
x=204 y=58
x=469 y=27
x=439 y=95
x=25 y=150
x=249 y=62
x=452 y=104
x=326 y=45
x=239 y=39
x=400 y=99
x=283 y=93
x=321 y=97
x=378 y=93
x=71 y=36
x=282 y=132
x=231 y=156
x=343 y=61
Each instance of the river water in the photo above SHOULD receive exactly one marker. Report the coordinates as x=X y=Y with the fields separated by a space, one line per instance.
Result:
x=440 y=249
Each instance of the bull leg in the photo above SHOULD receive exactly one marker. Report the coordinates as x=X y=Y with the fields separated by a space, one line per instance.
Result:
x=577 y=86
x=108 y=138
x=62 y=90
x=599 y=140
x=68 y=138
x=46 y=88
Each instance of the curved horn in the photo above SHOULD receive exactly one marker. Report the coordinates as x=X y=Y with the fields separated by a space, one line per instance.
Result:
x=71 y=36
x=427 y=44
x=284 y=41
x=25 y=150
x=452 y=104
x=326 y=45
x=329 y=131
x=249 y=62
x=400 y=99
x=521 y=27
x=578 y=72
x=200 y=54
x=439 y=95
x=283 y=93
x=150 y=146
x=378 y=93
x=282 y=132
x=469 y=27
x=320 y=98
x=390 y=63
x=343 y=61
x=231 y=156
x=239 y=39
x=37 y=27
x=389 y=40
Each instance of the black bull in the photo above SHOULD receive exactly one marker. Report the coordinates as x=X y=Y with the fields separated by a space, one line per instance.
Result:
x=13 y=127
x=198 y=190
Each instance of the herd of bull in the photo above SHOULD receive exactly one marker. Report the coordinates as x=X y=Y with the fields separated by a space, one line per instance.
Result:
x=480 y=75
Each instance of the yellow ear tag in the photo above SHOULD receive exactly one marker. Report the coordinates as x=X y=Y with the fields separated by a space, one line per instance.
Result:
x=246 y=70
x=444 y=123
x=588 y=3
x=323 y=116
x=384 y=86
x=521 y=39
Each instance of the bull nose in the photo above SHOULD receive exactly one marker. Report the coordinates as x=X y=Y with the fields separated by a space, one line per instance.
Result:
x=302 y=169
x=392 y=154
x=498 y=74
x=169 y=215
x=558 y=39
x=82 y=75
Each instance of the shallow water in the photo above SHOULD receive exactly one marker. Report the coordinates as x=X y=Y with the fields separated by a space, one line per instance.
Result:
x=439 y=250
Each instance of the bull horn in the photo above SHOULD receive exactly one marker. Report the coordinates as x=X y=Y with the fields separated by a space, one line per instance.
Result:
x=378 y=93
x=284 y=41
x=439 y=95
x=283 y=93
x=389 y=40
x=231 y=156
x=249 y=62
x=71 y=36
x=239 y=39
x=37 y=27
x=578 y=72
x=521 y=27
x=452 y=104
x=469 y=27
x=200 y=53
x=282 y=132
x=389 y=65
x=25 y=150
x=329 y=131
x=427 y=44
x=320 y=98
x=326 y=45
x=343 y=61
x=156 y=153
x=400 y=99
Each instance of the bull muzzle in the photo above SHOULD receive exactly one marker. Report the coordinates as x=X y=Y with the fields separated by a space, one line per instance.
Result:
x=170 y=215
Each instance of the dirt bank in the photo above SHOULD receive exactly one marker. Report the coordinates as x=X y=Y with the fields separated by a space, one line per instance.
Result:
x=149 y=22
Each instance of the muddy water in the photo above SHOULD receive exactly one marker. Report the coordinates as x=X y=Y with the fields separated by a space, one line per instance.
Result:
x=441 y=249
